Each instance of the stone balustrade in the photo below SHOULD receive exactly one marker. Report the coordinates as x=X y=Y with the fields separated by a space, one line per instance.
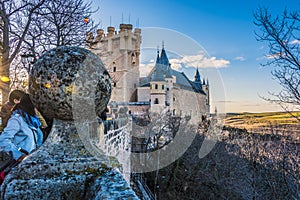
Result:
x=70 y=86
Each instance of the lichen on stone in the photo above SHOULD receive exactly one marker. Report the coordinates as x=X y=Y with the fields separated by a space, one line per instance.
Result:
x=59 y=72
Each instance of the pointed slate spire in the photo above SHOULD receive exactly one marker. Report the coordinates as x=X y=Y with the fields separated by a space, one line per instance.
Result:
x=157 y=57
x=163 y=56
x=197 y=76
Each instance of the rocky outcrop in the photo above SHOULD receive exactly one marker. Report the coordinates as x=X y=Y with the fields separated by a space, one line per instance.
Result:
x=63 y=168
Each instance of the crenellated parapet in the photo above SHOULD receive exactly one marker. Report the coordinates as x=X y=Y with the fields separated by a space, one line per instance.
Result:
x=125 y=30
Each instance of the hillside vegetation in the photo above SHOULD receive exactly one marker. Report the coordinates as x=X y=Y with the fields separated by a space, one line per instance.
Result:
x=242 y=165
x=260 y=122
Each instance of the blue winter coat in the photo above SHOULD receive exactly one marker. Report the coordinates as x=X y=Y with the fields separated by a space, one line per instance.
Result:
x=18 y=134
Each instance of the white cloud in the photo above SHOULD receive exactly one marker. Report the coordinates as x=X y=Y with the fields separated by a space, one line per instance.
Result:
x=146 y=68
x=295 y=42
x=240 y=58
x=200 y=61
x=272 y=56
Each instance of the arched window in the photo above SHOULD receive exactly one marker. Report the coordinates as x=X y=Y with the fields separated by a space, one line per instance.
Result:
x=156 y=101
x=115 y=69
x=163 y=87
x=156 y=86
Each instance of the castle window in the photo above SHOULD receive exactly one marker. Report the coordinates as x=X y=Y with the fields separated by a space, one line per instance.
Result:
x=156 y=101
x=133 y=58
x=162 y=87
x=167 y=89
x=115 y=84
x=174 y=99
x=115 y=69
x=156 y=86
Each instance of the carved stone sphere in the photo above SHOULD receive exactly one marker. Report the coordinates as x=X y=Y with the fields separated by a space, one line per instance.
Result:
x=68 y=83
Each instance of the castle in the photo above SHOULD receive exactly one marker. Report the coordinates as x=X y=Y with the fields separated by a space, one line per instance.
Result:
x=164 y=87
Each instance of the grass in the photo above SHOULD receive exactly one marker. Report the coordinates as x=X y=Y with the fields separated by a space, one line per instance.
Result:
x=255 y=120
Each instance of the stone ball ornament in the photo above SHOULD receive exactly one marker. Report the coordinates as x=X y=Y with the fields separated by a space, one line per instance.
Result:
x=69 y=83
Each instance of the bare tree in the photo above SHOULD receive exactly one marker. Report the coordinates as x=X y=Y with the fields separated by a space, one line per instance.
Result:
x=35 y=26
x=281 y=33
x=58 y=23
x=15 y=18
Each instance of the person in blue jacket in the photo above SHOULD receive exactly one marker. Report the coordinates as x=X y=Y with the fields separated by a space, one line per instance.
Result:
x=22 y=134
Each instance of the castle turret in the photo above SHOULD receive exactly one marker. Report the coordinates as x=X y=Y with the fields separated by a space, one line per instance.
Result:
x=120 y=53
x=100 y=35
x=157 y=89
x=110 y=31
x=205 y=88
x=197 y=78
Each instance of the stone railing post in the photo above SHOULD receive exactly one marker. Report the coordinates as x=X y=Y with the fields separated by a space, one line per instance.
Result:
x=63 y=167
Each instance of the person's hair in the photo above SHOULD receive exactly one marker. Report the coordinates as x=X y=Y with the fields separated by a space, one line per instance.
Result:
x=15 y=94
x=25 y=105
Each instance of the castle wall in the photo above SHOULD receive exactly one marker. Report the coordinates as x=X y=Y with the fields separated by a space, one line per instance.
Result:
x=143 y=94
x=189 y=103
x=139 y=110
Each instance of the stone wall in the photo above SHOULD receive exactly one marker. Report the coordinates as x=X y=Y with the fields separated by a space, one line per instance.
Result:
x=189 y=103
x=63 y=169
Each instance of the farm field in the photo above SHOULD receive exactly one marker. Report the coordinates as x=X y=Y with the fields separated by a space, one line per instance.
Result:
x=260 y=122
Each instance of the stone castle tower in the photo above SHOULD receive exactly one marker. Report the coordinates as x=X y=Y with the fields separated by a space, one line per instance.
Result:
x=120 y=53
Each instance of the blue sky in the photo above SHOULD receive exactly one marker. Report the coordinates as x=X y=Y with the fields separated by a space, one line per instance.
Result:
x=224 y=29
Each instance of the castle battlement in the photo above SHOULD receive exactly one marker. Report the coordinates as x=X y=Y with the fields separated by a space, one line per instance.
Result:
x=112 y=31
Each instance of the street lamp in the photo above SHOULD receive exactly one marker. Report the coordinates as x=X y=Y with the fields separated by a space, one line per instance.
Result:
x=27 y=59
